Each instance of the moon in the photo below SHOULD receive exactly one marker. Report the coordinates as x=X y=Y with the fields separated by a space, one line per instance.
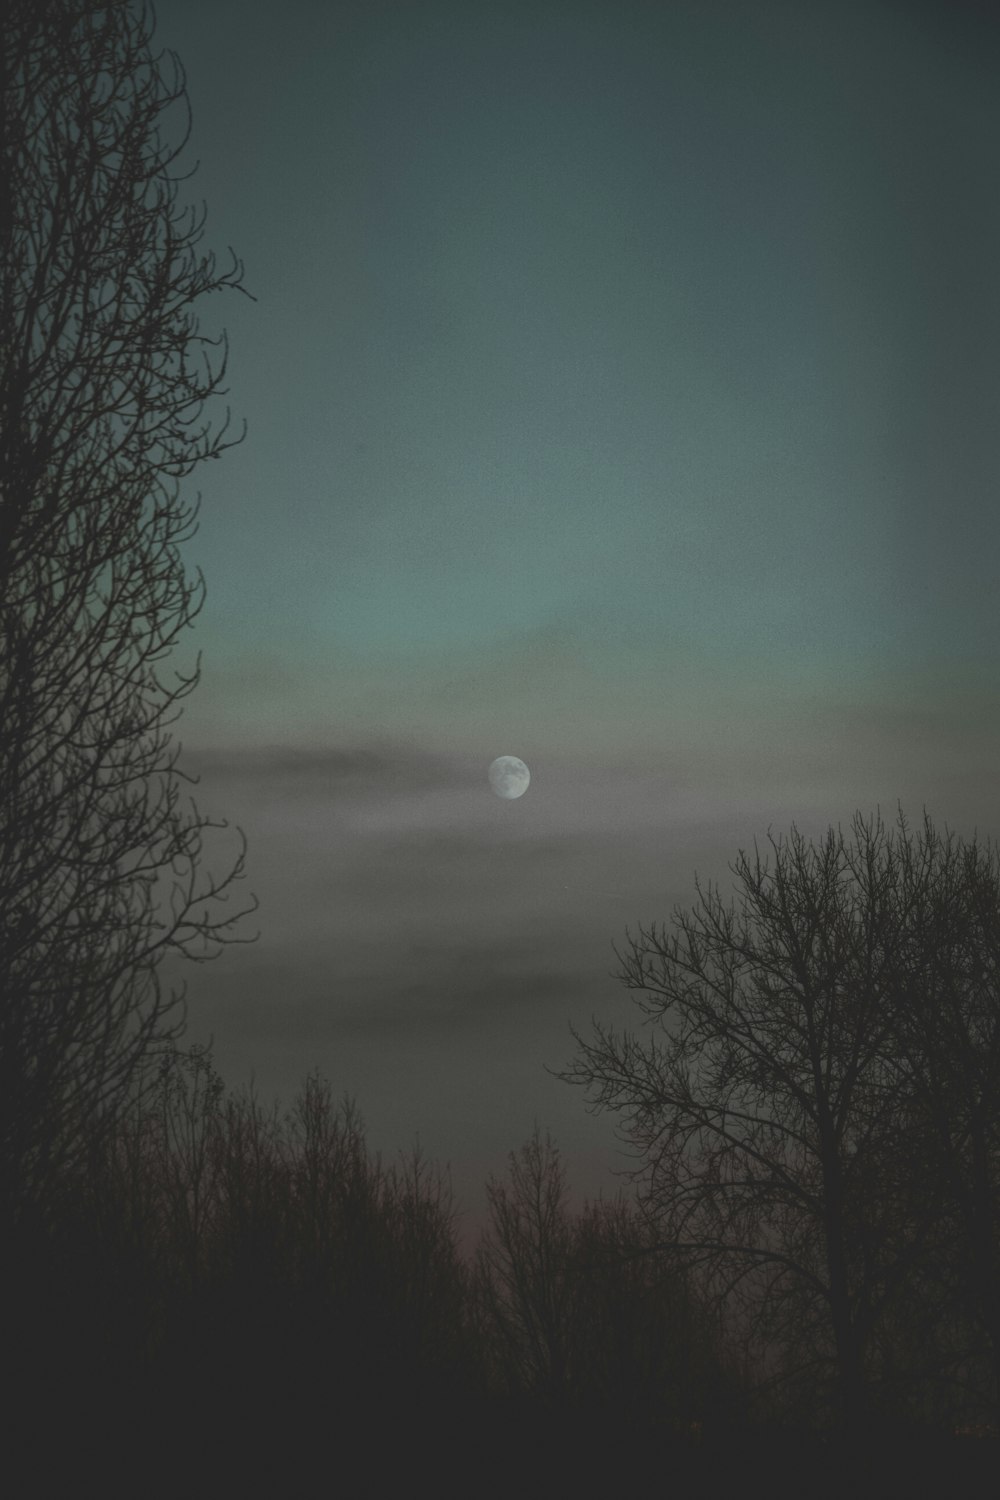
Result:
x=509 y=776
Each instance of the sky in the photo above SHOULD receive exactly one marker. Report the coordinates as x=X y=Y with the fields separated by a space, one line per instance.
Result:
x=621 y=394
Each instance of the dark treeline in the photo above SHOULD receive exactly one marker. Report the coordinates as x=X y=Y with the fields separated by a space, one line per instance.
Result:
x=217 y=1279
x=218 y=1292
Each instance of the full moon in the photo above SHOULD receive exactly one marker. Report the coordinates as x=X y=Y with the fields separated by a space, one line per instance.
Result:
x=509 y=776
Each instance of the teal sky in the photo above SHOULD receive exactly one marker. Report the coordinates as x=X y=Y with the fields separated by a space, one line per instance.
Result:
x=622 y=393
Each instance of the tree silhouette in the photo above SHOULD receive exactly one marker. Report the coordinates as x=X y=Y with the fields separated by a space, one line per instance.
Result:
x=237 y=1271
x=523 y=1265
x=945 y=1050
x=797 y=1068
x=104 y=377
x=642 y=1346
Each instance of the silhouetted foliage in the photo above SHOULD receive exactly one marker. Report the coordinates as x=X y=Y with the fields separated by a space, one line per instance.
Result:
x=523 y=1263
x=645 y=1350
x=261 y=1287
x=816 y=1113
x=201 y=1241
x=581 y=1315
x=104 y=378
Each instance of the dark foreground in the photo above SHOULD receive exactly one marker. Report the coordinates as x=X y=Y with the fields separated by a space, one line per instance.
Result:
x=141 y=1446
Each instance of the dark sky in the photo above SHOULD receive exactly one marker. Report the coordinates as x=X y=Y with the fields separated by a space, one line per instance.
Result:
x=622 y=394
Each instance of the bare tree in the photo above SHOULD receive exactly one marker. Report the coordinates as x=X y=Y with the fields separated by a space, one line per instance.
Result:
x=428 y=1278
x=772 y=1110
x=642 y=1347
x=253 y=1194
x=104 y=378
x=945 y=1054
x=524 y=1275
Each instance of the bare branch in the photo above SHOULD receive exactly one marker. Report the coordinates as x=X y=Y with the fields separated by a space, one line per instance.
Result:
x=104 y=380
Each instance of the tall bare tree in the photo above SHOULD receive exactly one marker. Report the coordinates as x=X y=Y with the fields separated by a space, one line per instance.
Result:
x=797 y=1065
x=104 y=377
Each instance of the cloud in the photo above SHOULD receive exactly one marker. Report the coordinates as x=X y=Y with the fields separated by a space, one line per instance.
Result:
x=384 y=767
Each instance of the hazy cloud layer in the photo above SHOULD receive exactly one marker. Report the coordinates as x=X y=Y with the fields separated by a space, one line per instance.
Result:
x=428 y=945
